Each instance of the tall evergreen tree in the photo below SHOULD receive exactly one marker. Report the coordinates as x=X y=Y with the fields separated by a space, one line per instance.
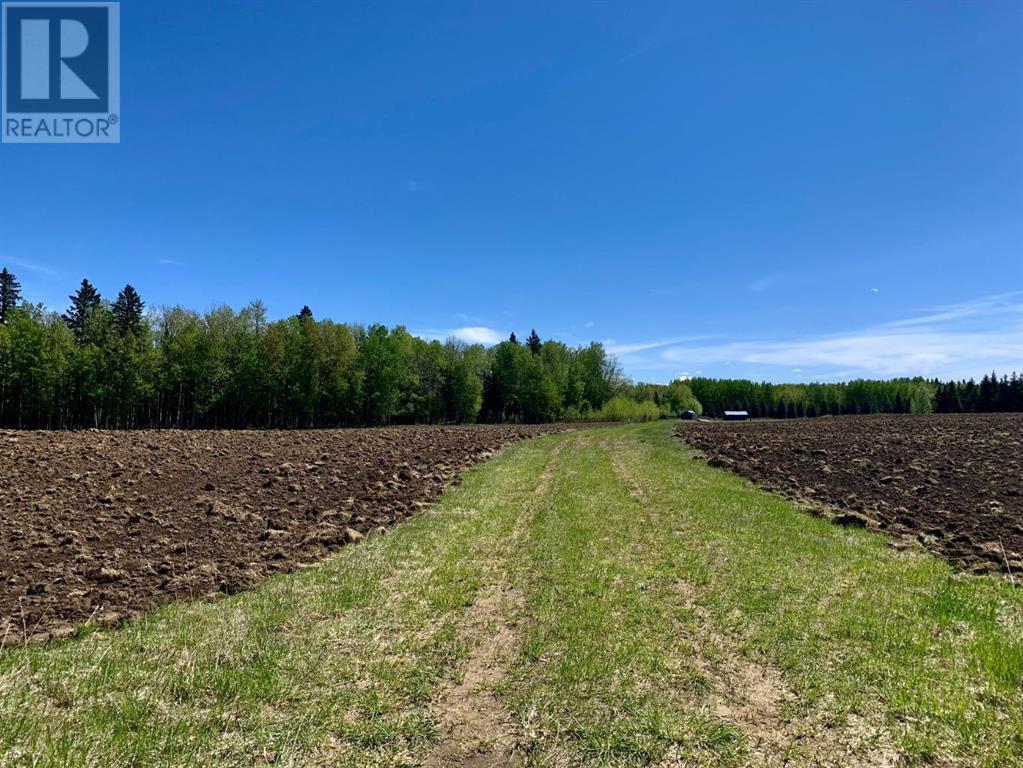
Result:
x=534 y=343
x=512 y=338
x=10 y=294
x=127 y=310
x=305 y=312
x=986 y=393
x=954 y=397
x=83 y=301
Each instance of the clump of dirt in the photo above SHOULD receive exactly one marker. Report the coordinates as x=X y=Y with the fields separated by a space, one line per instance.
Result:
x=953 y=482
x=107 y=525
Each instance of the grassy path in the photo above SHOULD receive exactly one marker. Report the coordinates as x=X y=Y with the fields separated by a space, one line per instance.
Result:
x=594 y=598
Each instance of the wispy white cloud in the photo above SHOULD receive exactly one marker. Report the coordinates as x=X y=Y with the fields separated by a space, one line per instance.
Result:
x=655 y=38
x=588 y=324
x=170 y=263
x=762 y=284
x=473 y=334
x=1001 y=305
x=31 y=266
x=414 y=186
x=628 y=349
x=952 y=341
x=867 y=353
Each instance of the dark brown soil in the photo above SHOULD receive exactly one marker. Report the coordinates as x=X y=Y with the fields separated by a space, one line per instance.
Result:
x=954 y=482
x=107 y=525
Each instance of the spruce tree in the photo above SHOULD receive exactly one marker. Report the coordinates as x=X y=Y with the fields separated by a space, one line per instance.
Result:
x=83 y=301
x=986 y=398
x=944 y=396
x=512 y=338
x=305 y=312
x=534 y=343
x=957 y=400
x=127 y=310
x=10 y=294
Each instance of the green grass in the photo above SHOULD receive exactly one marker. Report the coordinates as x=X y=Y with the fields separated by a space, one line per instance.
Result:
x=658 y=595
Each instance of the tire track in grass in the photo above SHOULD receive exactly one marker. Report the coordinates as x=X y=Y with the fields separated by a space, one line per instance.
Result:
x=603 y=678
x=476 y=729
x=754 y=696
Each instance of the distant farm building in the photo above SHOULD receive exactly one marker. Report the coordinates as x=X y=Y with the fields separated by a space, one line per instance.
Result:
x=736 y=415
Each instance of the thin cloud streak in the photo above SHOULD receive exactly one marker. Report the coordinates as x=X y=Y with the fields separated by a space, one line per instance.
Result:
x=31 y=266
x=762 y=284
x=1001 y=304
x=954 y=341
x=871 y=353
x=629 y=349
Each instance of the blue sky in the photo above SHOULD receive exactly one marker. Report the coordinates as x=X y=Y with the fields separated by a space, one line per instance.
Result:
x=788 y=191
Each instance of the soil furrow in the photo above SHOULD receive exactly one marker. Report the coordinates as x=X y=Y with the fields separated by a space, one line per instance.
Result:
x=952 y=482
x=107 y=525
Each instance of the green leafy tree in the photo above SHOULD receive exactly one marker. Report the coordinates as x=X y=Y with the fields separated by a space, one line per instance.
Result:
x=382 y=375
x=465 y=369
x=424 y=387
x=595 y=377
x=340 y=375
x=540 y=397
x=6 y=373
x=679 y=398
x=26 y=366
x=274 y=373
x=557 y=363
x=506 y=382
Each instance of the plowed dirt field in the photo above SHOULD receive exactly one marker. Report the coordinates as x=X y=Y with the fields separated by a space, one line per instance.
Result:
x=107 y=525
x=954 y=482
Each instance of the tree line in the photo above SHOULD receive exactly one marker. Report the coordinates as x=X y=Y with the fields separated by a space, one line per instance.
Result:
x=991 y=395
x=861 y=396
x=111 y=364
